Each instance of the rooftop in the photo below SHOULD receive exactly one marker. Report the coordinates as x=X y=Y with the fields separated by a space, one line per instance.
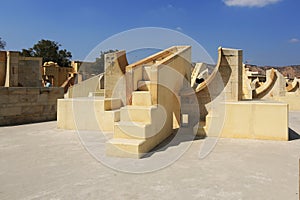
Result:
x=39 y=161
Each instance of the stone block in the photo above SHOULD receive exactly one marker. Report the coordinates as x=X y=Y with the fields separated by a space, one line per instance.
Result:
x=4 y=91
x=50 y=108
x=13 y=99
x=253 y=120
x=35 y=91
x=32 y=110
x=85 y=114
x=137 y=113
x=17 y=91
x=11 y=111
x=141 y=98
x=27 y=98
x=112 y=103
x=42 y=98
x=129 y=148
x=132 y=130
x=4 y=99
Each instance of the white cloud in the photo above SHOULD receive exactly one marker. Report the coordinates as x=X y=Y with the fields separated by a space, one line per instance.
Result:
x=249 y=3
x=294 y=40
x=178 y=28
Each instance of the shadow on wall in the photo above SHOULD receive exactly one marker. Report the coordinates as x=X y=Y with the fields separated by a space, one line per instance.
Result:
x=268 y=89
x=293 y=135
x=214 y=87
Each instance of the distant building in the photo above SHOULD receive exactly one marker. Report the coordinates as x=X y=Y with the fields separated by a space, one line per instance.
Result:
x=66 y=76
x=255 y=75
x=55 y=74
x=19 y=71
x=83 y=70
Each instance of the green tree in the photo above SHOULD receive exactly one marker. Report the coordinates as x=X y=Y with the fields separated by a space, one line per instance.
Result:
x=49 y=51
x=2 y=43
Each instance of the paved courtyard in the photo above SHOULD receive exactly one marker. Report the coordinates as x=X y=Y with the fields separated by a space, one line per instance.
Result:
x=39 y=161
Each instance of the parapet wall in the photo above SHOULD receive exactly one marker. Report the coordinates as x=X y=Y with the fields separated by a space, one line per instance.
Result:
x=20 y=105
x=19 y=71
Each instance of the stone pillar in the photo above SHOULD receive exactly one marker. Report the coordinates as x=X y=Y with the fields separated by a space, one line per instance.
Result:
x=2 y=67
x=232 y=65
x=12 y=69
x=115 y=67
x=247 y=89
x=280 y=85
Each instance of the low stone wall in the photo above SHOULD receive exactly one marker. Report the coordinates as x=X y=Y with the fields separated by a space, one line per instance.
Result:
x=19 y=105
x=251 y=120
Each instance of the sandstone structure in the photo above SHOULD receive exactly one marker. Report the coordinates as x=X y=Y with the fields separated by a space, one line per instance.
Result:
x=19 y=71
x=144 y=102
x=277 y=88
x=23 y=98
x=55 y=74
x=19 y=105
x=225 y=109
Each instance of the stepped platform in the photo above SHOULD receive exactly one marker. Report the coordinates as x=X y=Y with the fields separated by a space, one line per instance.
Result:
x=88 y=113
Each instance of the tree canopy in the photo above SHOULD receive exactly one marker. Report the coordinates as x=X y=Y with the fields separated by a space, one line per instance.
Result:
x=2 y=43
x=49 y=51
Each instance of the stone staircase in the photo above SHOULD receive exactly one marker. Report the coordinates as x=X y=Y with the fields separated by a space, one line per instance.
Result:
x=144 y=84
x=141 y=124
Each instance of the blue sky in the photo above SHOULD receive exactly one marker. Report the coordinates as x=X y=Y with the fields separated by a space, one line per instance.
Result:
x=267 y=30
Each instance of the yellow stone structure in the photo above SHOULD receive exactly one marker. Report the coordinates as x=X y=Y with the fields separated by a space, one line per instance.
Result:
x=151 y=102
x=19 y=71
x=55 y=74
x=142 y=103
x=276 y=88
x=23 y=97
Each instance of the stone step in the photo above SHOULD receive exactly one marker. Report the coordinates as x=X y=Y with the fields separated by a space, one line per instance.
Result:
x=113 y=114
x=125 y=146
x=112 y=104
x=133 y=130
x=138 y=113
x=144 y=85
x=141 y=98
x=128 y=148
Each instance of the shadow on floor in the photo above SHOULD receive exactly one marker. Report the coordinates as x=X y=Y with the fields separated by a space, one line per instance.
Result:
x=184 y=135
x=293 y=135
x=179 y=136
